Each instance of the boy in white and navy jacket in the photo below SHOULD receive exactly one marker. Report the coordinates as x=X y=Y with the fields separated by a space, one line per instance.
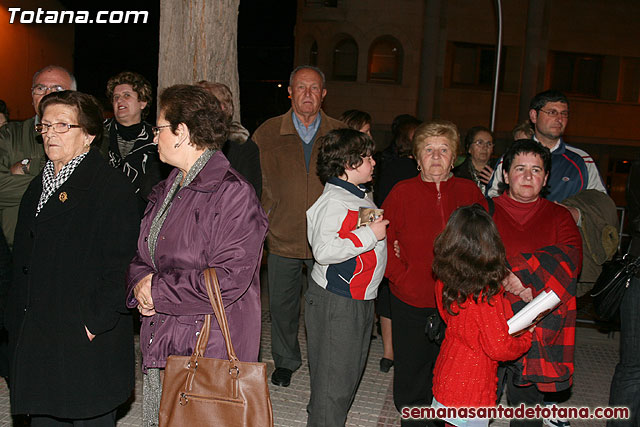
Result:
x=349 y=265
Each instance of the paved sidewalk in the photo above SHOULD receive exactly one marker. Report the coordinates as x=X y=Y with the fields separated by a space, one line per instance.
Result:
x=596 y=356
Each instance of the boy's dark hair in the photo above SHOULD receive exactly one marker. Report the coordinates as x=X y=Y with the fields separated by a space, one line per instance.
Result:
x=470 y=259
x=525 y=146
x=339 y=149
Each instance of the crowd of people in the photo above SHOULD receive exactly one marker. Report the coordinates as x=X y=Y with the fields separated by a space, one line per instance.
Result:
x=413 y=234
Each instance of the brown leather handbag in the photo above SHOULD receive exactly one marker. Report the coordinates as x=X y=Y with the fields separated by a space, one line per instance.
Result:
x=201 y=391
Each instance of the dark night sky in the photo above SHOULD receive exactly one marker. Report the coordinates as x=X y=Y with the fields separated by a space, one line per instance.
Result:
x=265 y=56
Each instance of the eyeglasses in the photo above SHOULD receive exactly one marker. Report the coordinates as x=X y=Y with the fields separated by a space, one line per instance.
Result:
x=156 y=129
x=554 y=113
x=43 y=128
x=43 y=90
x=481 y=143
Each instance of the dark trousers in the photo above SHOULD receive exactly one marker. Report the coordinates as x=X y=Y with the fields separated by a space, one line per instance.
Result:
x=414 y=357
x=625 y=387
x=338 y=338
x=106 y=420
x=285 y=289
x=516 y=395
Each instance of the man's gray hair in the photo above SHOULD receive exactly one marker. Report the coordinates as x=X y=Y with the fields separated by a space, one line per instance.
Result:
x=74 y=85
x=306 y=67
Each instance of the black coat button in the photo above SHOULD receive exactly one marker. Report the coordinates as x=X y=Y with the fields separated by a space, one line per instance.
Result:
x=25 y=269
x=31 y=234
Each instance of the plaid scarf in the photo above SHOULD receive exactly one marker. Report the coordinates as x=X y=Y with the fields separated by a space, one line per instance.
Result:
x=51 y=182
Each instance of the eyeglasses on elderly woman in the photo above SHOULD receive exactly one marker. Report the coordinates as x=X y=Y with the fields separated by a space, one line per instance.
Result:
x=156 y=129
x=481 y=143
x=43 y=128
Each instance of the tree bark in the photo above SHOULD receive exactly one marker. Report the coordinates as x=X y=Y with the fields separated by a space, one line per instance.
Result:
x=198 y=41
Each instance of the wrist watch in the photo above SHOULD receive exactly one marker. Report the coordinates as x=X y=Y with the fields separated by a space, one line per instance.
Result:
x=25 y=165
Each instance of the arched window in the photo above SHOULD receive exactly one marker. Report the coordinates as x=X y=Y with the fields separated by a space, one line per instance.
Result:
x=313 y=54
x=385 y=60
x=345 y=60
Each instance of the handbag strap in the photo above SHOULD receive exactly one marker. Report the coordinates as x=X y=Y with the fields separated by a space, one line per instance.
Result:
x=215 y=297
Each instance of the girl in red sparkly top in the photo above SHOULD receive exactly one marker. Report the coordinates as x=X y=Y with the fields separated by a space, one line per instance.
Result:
x=470 y=264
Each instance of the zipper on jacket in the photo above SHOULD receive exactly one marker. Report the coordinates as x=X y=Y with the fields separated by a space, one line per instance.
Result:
x=439 y=203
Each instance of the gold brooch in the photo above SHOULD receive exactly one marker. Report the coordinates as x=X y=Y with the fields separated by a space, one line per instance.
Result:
x=63 y=197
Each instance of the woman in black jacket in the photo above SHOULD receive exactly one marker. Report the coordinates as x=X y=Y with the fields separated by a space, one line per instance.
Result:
x=70 y=335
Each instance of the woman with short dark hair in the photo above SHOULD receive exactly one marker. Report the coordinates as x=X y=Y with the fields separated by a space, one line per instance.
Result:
x=203 y=215
x=70 y=335
x=478 y=146
x=544 y=252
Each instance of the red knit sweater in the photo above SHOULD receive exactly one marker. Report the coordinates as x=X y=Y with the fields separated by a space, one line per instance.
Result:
x=526 y=227
x=417 y=213
x=476 y=340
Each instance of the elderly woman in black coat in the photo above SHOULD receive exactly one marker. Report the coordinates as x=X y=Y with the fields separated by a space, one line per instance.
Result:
x=70 y=335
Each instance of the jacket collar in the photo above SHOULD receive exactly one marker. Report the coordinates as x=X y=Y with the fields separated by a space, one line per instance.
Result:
x=287 y=127
x=83 y=175
x=206 y=181
x=351 y=188
x=432 y=185
x=559 y=148
x=144 y=138
x=73 y=190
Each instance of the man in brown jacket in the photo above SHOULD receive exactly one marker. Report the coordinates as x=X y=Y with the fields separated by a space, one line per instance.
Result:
x=290 y=186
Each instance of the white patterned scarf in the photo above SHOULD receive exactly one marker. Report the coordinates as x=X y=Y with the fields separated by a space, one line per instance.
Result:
x=51 y=182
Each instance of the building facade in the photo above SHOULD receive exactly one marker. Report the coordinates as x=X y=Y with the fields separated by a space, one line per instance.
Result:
x=436 y=59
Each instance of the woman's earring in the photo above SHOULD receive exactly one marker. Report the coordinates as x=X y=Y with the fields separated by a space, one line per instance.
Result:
x=419 y=168
x=176 y=145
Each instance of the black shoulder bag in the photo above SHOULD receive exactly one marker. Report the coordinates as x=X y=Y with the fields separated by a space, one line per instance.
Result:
x=611 y=284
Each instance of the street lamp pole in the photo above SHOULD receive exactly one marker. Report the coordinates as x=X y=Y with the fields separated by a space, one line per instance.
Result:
x=497 y=68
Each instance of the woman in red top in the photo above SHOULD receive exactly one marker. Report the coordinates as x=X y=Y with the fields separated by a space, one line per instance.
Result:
x=544 y=252
x=470 y=263
x=418 y=210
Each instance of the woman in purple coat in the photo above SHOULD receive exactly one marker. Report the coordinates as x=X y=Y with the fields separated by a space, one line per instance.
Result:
x=203 y=215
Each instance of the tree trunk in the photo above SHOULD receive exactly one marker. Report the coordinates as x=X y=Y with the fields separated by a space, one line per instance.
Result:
x=198 y=41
